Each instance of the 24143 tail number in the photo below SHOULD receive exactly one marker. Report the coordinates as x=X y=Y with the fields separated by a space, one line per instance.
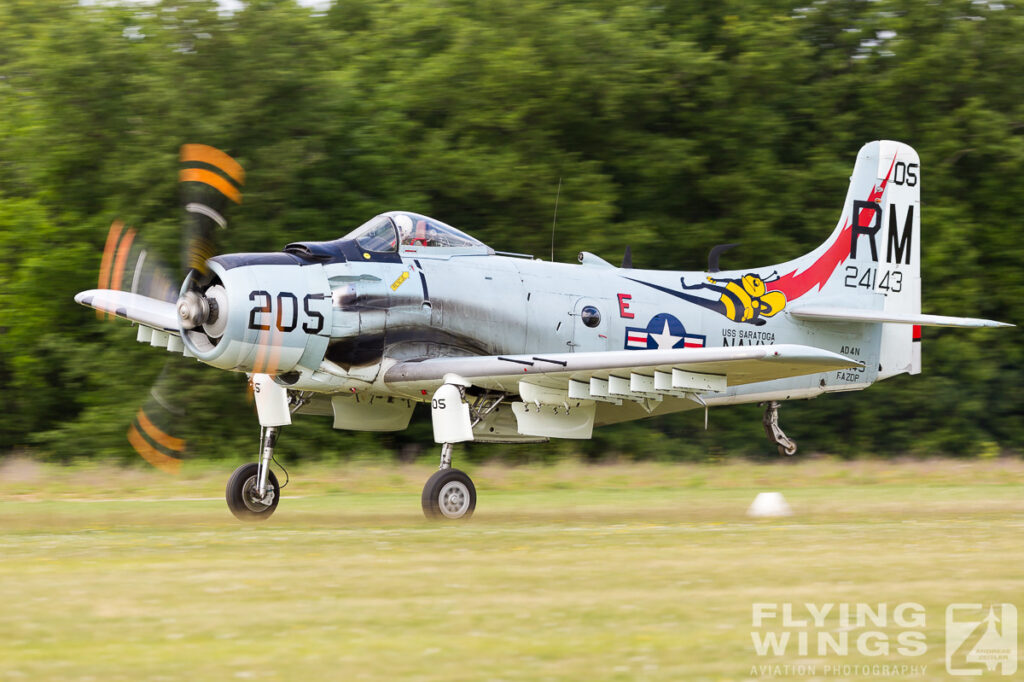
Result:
x=867 y=278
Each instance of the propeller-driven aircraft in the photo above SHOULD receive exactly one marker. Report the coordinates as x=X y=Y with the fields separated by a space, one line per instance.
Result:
x=509 y=348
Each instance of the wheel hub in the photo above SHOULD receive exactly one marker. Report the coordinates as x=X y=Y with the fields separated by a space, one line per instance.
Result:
x=454 y=499
x=251 y=496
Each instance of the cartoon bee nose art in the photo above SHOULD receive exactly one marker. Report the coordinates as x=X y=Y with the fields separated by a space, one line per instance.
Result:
x=745 y=299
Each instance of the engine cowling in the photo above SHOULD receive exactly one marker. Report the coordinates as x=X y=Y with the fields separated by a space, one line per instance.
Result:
x=260 y=313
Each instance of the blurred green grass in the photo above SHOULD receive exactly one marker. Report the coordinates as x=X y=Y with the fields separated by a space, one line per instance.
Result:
x=569 y=572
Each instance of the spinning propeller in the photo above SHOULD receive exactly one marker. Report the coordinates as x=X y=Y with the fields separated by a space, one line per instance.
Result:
x=210 y=181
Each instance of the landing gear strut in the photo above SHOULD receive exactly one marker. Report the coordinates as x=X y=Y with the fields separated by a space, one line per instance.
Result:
x=774 y=432
x=253 y=491
x=449 y=493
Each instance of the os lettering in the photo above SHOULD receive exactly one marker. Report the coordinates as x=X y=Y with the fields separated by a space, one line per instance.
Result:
x=904 y=174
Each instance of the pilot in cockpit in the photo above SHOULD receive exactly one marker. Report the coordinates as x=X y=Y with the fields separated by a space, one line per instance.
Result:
x=418 y=233
x=385 y=232
x=422 y=235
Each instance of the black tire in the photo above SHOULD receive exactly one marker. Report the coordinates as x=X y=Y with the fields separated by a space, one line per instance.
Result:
x=449 y=495
x=241 y=504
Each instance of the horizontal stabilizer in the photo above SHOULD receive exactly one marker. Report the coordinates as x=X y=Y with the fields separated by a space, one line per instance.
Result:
x=830 y=314
x=151 y=312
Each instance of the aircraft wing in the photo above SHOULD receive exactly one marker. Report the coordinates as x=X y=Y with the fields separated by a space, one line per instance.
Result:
x=694 y=369
x=151 y=312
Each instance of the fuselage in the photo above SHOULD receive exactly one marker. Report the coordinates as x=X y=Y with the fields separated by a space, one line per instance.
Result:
x=330 y=317
x=506 y=348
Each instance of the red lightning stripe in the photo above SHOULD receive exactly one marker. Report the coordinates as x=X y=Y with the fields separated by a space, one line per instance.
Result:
x=794 y=285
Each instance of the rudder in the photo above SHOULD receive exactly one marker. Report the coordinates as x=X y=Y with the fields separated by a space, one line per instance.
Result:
x=871 y=260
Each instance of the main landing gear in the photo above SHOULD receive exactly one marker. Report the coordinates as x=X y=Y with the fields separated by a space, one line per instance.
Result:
x=774 y=432
x=253 y=491
x=449 y=493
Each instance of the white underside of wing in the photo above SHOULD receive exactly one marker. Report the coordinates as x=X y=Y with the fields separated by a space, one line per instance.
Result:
x=151 y=312
x=735 y=364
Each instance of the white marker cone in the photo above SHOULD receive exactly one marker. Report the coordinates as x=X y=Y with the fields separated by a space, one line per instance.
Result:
x=767 y=505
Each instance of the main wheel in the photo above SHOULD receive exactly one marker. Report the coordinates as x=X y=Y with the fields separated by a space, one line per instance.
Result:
x=449 y=494
x=243 y=496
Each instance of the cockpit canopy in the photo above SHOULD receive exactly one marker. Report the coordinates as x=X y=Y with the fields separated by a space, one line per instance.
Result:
x=386 y=232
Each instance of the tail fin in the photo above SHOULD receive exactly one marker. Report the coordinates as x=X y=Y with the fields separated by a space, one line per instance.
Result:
x=872 y=259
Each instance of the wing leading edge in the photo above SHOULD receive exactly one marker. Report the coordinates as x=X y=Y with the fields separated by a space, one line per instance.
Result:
x=736 y=364
x=151 y=312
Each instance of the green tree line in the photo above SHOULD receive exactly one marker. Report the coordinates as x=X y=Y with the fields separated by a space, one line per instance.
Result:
x=669 y=126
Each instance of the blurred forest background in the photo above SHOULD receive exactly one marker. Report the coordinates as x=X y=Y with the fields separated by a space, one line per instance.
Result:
x=673 y=126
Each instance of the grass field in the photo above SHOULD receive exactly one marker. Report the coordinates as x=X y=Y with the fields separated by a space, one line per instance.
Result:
x=616 y=572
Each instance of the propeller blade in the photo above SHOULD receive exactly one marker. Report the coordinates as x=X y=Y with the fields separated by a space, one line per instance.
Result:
x=151 y=432
x=128 y=265
x=268 y=353
x=176 y=419
x=210 y=180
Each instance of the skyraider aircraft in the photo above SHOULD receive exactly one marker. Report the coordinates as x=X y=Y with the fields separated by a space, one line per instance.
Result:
x=508 y=348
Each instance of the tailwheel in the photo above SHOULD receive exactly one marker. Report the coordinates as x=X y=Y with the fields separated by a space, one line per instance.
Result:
x=785 y=444
x=449 y=494
x=243 y=496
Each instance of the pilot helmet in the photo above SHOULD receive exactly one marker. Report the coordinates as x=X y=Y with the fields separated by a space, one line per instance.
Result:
x=403 y=223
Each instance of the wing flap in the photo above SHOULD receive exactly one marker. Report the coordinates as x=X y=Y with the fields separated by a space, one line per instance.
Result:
x=739 y=365
x=151 y=312
x=835 y=314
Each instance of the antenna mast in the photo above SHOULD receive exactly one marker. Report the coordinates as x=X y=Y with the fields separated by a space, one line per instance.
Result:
x=554 y=218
